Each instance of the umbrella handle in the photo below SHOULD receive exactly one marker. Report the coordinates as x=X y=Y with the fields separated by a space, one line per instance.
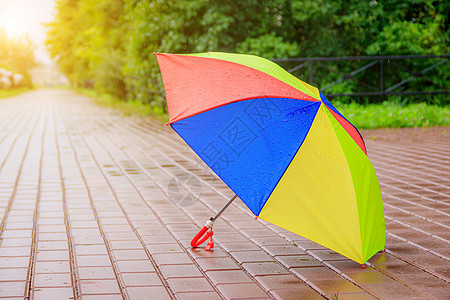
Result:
x=201 y=237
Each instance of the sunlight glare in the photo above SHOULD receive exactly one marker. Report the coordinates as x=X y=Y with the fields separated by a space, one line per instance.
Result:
x=13 y=26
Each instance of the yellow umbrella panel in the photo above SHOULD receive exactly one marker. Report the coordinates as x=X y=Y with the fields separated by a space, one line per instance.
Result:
x=330 y=193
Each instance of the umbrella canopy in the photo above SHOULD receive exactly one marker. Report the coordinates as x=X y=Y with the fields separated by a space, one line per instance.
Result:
x=277 y=142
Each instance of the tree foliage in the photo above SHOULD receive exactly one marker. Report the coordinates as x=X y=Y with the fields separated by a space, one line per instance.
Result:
x=109 y=44
x=86 y=38
x=17 y=55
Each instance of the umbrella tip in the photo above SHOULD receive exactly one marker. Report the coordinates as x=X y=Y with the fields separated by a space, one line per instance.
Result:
x=155 y=53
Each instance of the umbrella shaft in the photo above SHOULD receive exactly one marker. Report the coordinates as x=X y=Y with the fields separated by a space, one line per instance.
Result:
x=223 y=208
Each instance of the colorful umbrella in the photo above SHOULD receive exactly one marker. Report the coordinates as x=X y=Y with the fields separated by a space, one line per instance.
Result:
x=277 y=142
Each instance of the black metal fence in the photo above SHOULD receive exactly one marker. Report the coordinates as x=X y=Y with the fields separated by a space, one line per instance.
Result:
x=370 y=78
x=373 y=75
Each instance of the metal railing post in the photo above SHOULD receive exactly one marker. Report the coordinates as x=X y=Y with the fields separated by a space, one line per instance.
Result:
x=382 y=76
x=311 y=73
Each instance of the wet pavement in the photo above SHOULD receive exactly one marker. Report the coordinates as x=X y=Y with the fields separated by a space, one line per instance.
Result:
x=95 y=205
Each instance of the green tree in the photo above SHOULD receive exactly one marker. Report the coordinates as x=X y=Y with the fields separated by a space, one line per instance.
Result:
x=109 y=45
x=17 y=55
x=86 y=40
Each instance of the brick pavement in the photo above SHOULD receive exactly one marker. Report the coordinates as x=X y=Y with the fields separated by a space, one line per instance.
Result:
x=86 y=213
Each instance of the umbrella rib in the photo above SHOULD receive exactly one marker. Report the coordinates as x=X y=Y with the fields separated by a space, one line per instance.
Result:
x=293 y=156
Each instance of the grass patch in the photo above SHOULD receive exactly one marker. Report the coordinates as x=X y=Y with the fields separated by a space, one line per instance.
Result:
x=394 y=115
x=12 y=92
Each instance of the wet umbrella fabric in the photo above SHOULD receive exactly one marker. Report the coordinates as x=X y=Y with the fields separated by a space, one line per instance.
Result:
x=277 y=142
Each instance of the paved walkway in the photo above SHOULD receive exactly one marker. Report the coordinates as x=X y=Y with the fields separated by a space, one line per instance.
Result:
x=90 y=209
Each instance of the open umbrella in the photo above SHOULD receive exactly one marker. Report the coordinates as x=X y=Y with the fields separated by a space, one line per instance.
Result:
x=277 y=142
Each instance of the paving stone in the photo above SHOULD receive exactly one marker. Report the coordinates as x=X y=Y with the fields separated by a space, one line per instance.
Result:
x=281 y=281
x=427 y=259
x=200 y=252
x=251 y=256
x=130 y=254
x=315 y=273
x=348 y=266
x=172 y=259
x=99 y=287
x=147 y=292
x=14 y=262
x=223 y=238
x=220 y=263
x=52 y=228
x=52 y=236
x=52 y=255
x=52 y=245
x=174 y=271
x=295 y=261
x=164 y=248
x=165 y=239
x=394 y=291
x=397 y=269
x=93 y=261
x=444 y=271
x=264 y=268
x=246 y=246
x=251 y=224
x=15 y=251
x=141 y=279
x=52 y=267
x=260 y=232
x=104 y=297
x=370 y=278
x=242 y=291
x=353 y=296
x=16 y=242
x=88 y=240
x=90 y=249
x=121 y=236
x=233 y=276
x=189 y=285
x=283 y=250
x=135 y=266
x=13 y=274
x=332 y=287
x=52 y=280
x=270 y=241
x=435 y=291
x=116 y=228
x=309 y=245
x=297 y=293
x=328 y=255
x=198 y=296
x=53 y=293
x=96 y=273
x=125 y=245
x=427 y=283
x=20 y=225
x=12 y=288
x=17 y=233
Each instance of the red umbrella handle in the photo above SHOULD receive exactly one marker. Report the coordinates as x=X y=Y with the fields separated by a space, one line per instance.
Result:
x=202 y=235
